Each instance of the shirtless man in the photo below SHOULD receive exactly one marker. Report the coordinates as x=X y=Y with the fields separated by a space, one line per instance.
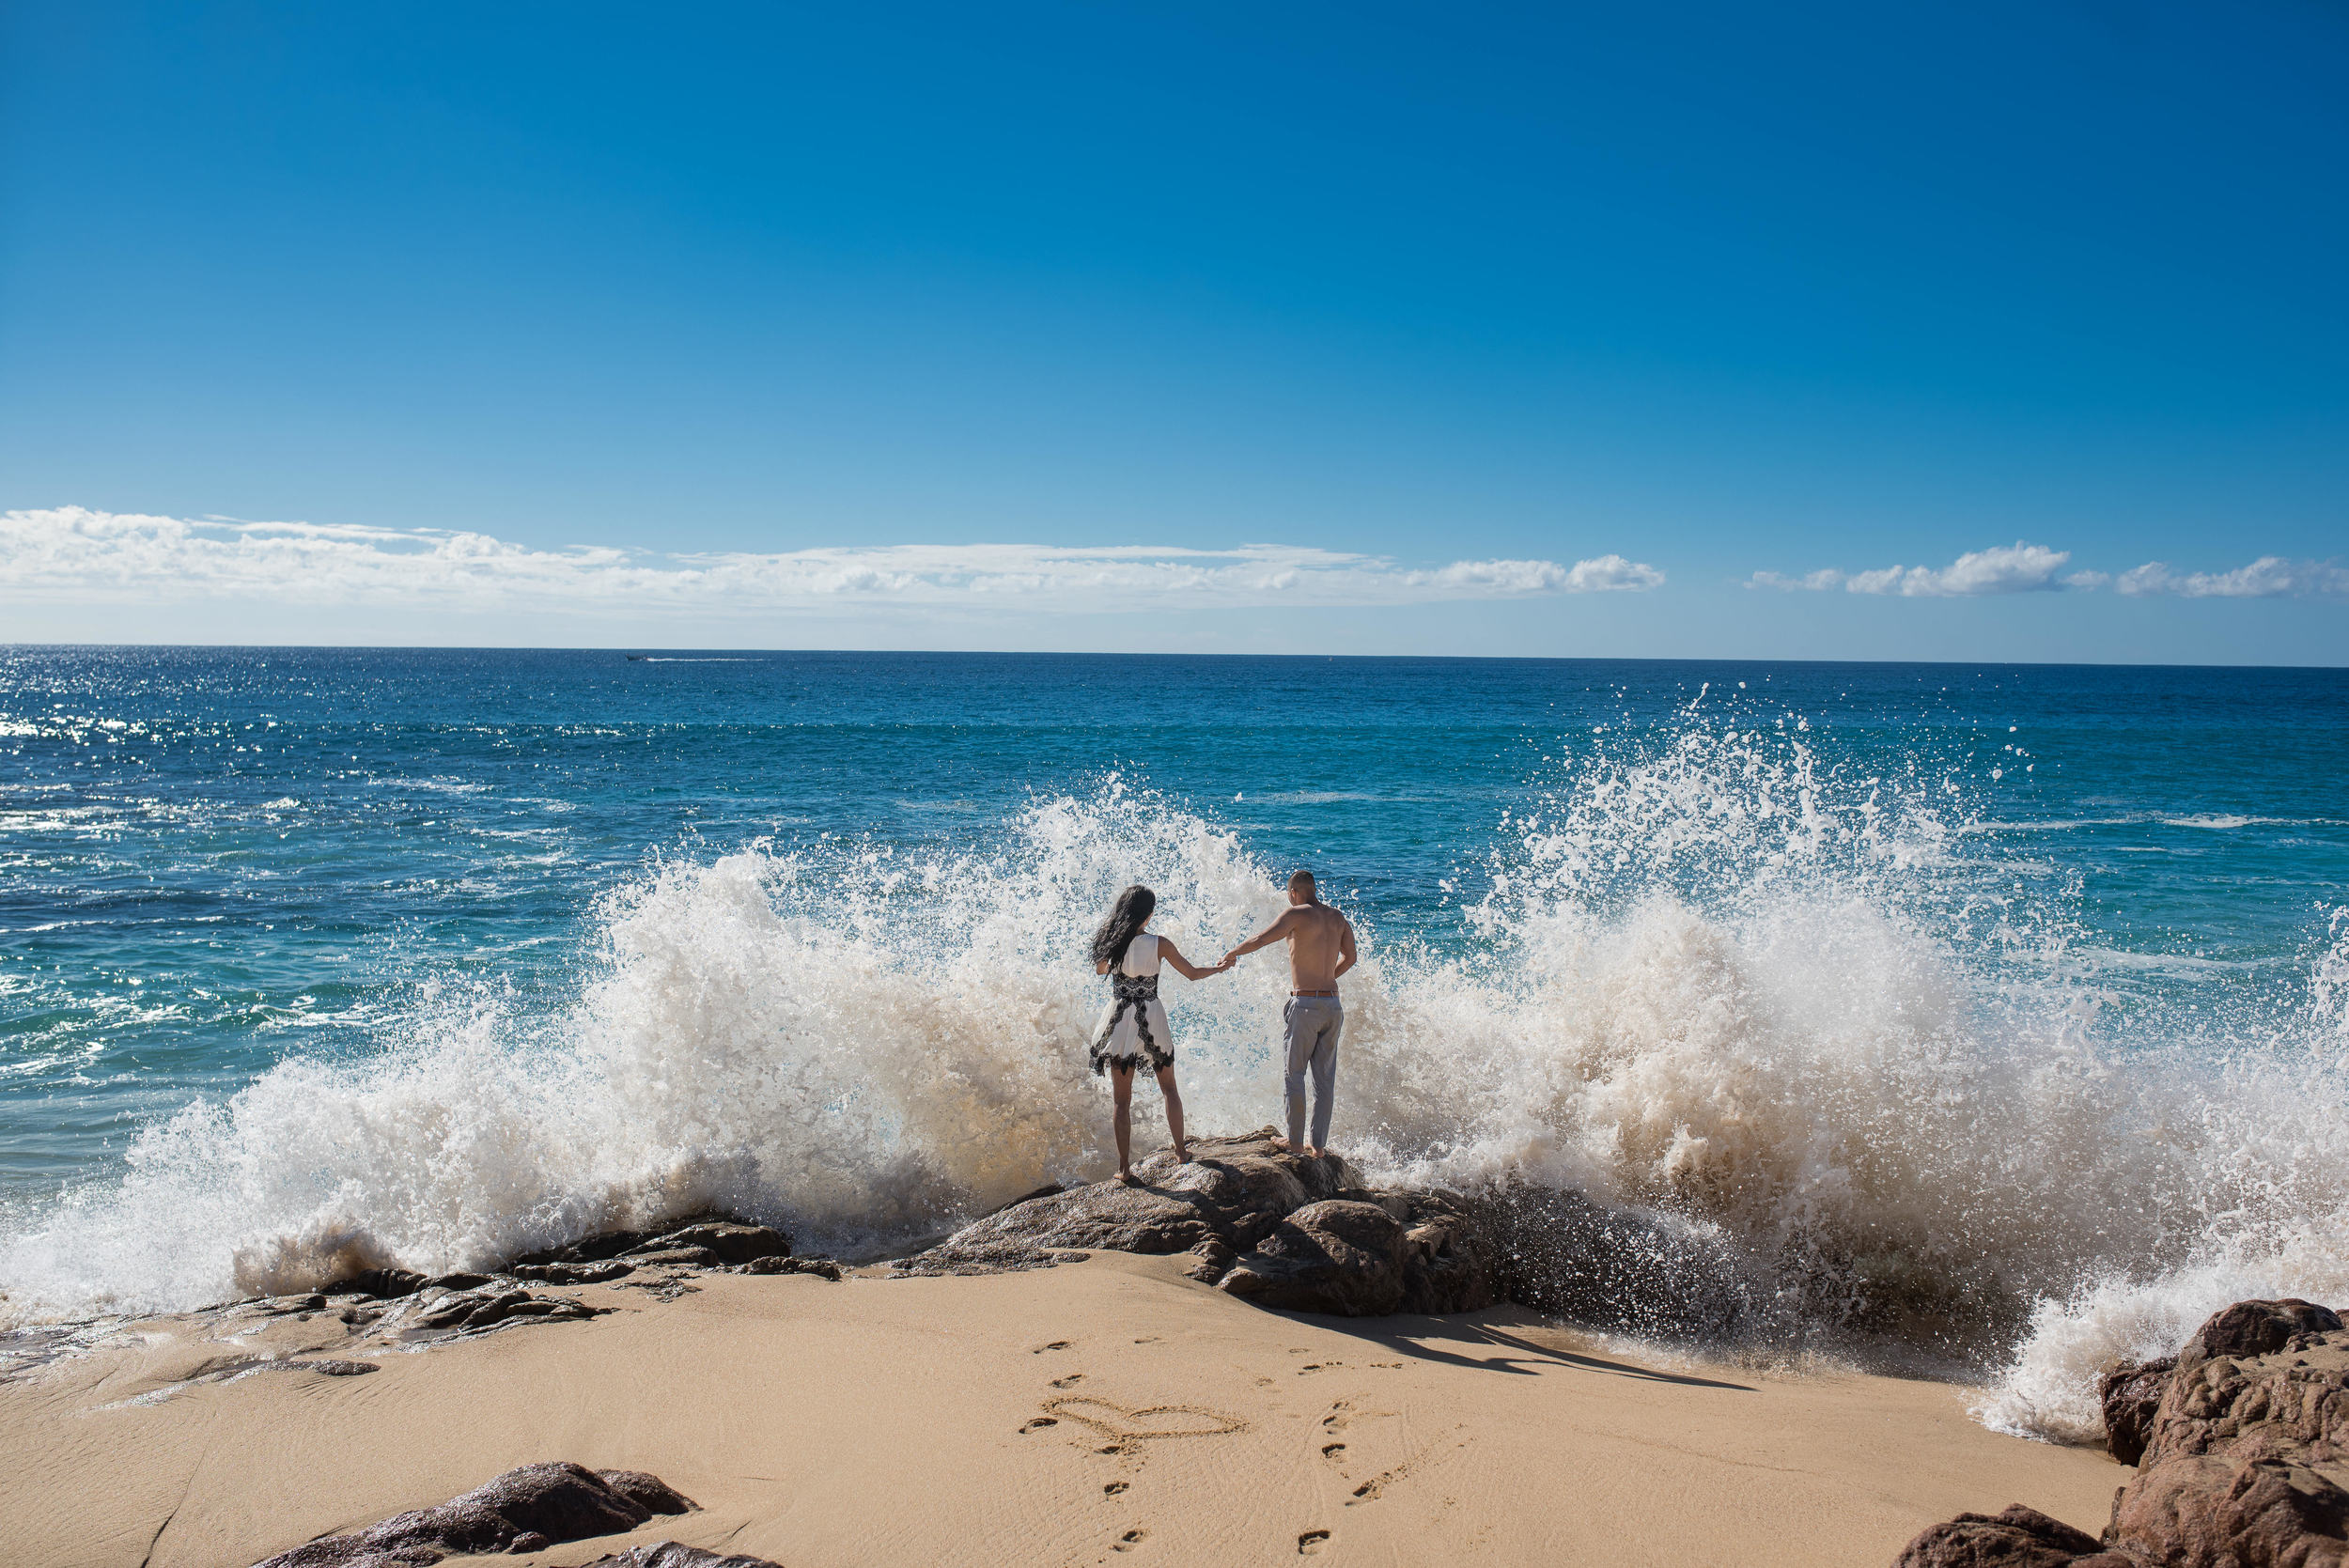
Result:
x=1321 y=948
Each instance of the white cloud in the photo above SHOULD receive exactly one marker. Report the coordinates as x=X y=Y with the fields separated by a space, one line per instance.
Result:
x=76 y=554
x=2269 y=577
x=2017 y=568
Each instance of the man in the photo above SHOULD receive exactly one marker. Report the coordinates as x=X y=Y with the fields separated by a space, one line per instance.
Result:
x=1321 y=948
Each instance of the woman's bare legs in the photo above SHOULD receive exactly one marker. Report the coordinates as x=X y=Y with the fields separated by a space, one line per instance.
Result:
x=1122 y=1119
x=1173 y=1113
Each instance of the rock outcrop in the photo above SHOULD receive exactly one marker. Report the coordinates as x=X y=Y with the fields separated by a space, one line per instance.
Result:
x=2019 y=1538
x=2244 y=1458
x=1281 y=1229
x=673 y=1554
x=2131 y=1391
x=524 y=1510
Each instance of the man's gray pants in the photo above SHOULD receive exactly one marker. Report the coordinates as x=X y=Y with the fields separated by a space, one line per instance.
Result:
x=1313 y=1024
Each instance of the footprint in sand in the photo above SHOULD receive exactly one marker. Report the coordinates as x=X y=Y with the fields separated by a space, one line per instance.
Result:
x=1056 y=1344
x=1113 y=1489
x=1039 y=1421
x=1131 y=1539
x=1312 y=1542
x=1068 y=1382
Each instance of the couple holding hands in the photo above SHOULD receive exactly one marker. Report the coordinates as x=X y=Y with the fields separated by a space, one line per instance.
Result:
x=1133 y=1028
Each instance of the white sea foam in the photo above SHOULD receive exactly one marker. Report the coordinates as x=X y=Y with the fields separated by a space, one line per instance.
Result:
x=1775 y=1006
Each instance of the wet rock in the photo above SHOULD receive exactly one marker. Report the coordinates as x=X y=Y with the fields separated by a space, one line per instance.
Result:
x=726 y=1241
x=822 y=1268
x=463 y=1279
x=2131 y=1391
x=675 y=1257
x=383 y=1283
x=673 y=1554
x=574 y=1273
x=539 y=1504
x=1448 y=1263
x=2019 y=1538
x=474 y=1312
x=1336 y=1256
x=325 y=1366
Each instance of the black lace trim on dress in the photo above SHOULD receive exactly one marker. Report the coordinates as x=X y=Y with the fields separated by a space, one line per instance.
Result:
x=1134 y=992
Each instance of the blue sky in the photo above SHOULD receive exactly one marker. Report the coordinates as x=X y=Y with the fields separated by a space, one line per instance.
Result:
x=1531 y=330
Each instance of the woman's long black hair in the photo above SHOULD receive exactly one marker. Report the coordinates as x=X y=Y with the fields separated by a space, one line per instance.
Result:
x=1134 y=907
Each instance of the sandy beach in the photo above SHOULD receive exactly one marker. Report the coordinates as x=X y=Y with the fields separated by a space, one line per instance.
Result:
x=1105 y=1411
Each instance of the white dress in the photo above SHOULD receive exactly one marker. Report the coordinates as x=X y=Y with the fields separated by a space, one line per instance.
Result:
x=1133 y=1026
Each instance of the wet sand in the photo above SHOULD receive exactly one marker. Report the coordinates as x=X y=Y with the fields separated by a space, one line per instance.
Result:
x=1105 y=1412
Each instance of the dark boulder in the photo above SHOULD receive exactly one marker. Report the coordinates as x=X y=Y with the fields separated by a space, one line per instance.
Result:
x=1215 y=1258
x=2019 y=1538
x=824 y=1268
x=385 y=1283
x=726 y=1241
x=475 y=1311
x=1448 y=1263
x=1336 y=1256
x=1235 y=1190
x=2131 y=1391
x=523 y=1510
x=574 y=1273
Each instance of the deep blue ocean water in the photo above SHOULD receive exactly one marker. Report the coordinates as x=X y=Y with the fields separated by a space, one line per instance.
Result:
x=1881 y=976
x=214 y=858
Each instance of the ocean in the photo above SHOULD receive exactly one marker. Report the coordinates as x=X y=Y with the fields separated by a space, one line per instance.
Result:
x=1990 y=1017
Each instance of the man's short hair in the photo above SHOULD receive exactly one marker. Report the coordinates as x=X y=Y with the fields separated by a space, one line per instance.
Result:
x=1301 y=879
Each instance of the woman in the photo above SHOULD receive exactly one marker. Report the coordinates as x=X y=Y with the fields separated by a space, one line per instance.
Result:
x=1133 y=1028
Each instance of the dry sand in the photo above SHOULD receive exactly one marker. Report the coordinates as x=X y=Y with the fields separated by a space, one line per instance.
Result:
x=899 y=1421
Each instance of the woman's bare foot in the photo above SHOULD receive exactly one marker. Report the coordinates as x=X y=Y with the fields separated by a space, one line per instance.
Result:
x=1182 y=1154
x=1312 y=1152
x=1128 y=1178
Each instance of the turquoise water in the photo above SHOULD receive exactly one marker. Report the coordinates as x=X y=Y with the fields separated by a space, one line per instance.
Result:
x=284 y=932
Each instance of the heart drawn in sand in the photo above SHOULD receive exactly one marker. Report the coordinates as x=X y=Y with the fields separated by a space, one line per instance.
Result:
x=1151 y=1421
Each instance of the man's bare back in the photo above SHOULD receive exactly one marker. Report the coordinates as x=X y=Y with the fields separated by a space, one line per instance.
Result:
x=1321 y=948
x=1320 y=941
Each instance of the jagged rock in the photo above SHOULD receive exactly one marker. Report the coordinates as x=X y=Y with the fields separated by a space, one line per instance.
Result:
x=574 y=1273
x=2019 y=1538
x=673 y=1554
x=2245 y=1462
x=463 y=1279
x=647 y=1491
x=523 y=1510
x=2255 y=1328
x=823 y=1267
x=381 y=1283
x=1235 y=1190
x=726 y=1241
x=675 y=1257
x=1447 y=1258
x=2130 y=1392
x=1336 y=1256
x=472 y=1312
x=1215 y=1258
